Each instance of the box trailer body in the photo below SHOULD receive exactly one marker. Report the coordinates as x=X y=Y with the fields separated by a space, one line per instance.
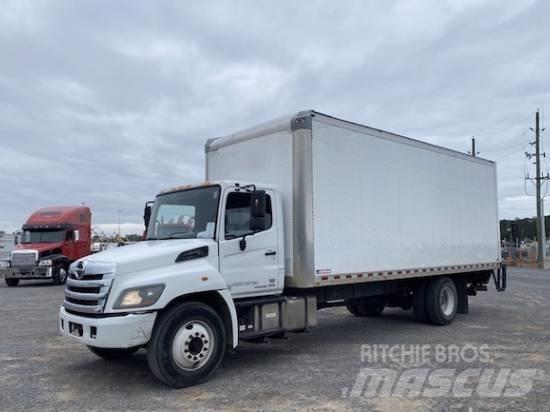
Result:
x=361 y=204
x=298 y=214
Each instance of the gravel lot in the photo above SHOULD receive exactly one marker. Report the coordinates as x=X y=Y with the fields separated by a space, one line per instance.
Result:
x=39 y=370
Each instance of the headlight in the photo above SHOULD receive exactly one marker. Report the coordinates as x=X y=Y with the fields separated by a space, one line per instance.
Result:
x=5 y=264
x=139 y=297
x=45 y=262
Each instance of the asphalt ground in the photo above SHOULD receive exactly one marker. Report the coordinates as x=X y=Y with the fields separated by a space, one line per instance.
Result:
x=321 y=370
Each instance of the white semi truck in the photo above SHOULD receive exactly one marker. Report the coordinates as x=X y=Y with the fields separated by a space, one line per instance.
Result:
x=297 y=214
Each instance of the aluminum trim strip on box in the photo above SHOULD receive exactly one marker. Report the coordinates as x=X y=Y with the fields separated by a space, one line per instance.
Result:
x=302 y=236
x=374 y=276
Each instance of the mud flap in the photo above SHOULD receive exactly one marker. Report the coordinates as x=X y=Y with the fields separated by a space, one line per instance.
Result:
x=462 y=294
x=499 y=277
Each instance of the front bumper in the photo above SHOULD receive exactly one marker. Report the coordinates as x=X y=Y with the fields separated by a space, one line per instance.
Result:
x=32 y=272
x=109 y=332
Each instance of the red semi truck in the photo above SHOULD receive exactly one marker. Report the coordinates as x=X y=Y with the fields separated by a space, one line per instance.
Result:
x=52 y=239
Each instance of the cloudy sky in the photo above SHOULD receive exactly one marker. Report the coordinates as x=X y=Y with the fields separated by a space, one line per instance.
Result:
x=109 y=102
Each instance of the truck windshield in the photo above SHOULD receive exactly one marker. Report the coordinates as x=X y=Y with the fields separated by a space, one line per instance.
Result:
x=43 y=236
x=186 y=214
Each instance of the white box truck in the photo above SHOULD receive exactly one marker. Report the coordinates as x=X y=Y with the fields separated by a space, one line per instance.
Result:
x=297 y=214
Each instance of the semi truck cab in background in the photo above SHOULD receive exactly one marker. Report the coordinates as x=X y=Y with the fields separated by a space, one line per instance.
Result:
x=51 y=240
x=298 y=214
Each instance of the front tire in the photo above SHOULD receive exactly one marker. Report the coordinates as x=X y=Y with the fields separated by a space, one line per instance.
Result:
x=441 y=301
x=187 y=345
x=113 y=353
x=12 y=282
x=60 y=275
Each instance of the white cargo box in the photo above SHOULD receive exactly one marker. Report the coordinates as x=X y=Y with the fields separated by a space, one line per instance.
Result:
x=361 y=204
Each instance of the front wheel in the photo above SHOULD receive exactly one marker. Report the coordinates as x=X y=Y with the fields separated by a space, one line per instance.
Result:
x=60 y=275
x=12 y=281
x=113 y=353
x=187 y=345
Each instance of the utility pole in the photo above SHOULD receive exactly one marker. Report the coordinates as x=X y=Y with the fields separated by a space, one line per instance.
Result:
x=539 y=181
x=540 y=205
x=119 y=223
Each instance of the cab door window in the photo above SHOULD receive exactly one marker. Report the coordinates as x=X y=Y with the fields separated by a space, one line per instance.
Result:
x=237 y=215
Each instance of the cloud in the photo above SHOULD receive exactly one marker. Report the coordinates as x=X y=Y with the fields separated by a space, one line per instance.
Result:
x=109 y=103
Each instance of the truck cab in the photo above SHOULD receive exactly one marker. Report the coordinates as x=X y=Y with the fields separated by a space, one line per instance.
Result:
x=209 y=248
x=237 y=221
x=51 y=239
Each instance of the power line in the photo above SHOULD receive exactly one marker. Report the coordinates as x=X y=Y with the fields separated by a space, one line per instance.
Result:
x=484 y=134
x=507 y=151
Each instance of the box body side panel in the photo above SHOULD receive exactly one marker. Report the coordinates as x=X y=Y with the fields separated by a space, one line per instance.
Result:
x=384 y=205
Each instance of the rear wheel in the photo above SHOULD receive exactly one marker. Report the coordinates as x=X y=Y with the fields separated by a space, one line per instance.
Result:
x=187 y=345
x=113 y=353
x=60 y=275
x=365 y=308
x=12 y=281
x=441 y=301
x=352 y=308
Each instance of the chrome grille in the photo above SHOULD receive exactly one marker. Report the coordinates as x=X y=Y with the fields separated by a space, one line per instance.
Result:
x=89 y=294
x=22 y=259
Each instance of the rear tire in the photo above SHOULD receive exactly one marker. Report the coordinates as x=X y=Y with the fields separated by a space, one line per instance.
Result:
x=187 y=345
x=371 y=309
x=113 y=353
x=441 y=301
x=362 y=308
x=12 y=282
x=352 y=308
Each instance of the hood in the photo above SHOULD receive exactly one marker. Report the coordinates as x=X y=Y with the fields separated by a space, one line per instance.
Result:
x=43 y=249
x=147 y=254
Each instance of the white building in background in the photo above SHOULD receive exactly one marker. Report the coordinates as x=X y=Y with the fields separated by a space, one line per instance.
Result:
x=7 y=243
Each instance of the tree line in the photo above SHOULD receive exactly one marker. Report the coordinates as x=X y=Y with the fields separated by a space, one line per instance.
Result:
x=522 y=229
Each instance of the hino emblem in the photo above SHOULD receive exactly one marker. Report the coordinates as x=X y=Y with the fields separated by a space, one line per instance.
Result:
x=80 y=269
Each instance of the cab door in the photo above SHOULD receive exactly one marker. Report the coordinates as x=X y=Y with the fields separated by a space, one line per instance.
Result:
x=249 y=260
x=68 y=248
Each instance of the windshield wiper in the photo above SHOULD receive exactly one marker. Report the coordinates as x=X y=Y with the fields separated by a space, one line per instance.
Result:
x=176 y=235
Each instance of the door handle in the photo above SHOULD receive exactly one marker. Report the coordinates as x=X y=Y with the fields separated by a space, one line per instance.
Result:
x=270 y=253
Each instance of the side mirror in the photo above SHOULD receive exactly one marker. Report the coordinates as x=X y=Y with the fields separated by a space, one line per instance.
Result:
x=258 y=201
x=147 y=214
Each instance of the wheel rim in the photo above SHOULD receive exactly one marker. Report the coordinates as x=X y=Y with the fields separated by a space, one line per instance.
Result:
x=447 y=300
x=62 y=275
x=193 y=345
